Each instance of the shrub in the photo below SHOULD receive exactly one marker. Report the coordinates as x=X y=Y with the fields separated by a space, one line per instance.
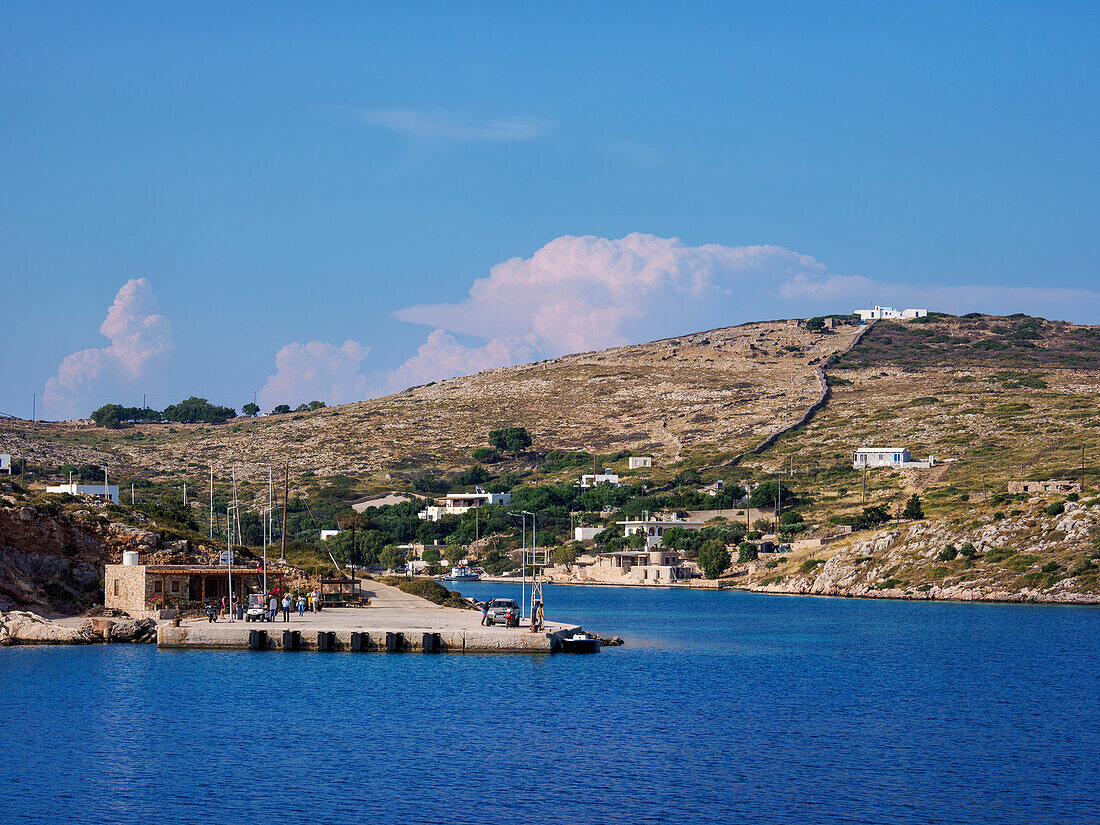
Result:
x=1073 y=497
x=1055 y=508
x=968 y=551
x=510 y=439
x=948 y=553
x=486 y=455
x=809 y=565
x=747 y=552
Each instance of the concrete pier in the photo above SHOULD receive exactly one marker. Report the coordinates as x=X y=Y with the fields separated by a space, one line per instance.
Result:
x=393 y=622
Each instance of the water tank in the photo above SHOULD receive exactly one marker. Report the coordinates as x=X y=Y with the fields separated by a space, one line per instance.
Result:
x=130 y=557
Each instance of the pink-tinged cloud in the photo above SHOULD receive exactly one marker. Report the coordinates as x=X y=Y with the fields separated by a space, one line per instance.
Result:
x=441 y=356
x=140 y=343
x=316 y=371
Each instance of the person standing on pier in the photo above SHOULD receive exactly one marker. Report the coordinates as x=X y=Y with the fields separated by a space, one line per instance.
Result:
x=273 y=607
x=301 y=606
x=286 y=607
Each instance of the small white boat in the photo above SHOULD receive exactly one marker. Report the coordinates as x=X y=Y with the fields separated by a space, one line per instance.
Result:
x=462 y=574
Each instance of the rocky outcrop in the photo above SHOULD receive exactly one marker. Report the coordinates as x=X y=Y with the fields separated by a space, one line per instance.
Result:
x=20 y=627
x=1033 y=556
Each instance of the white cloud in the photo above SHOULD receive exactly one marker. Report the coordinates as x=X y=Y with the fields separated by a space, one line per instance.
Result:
x=436 y=124
x=141 y=340
x=442 y=356
x=316 y=371
x=579 y=293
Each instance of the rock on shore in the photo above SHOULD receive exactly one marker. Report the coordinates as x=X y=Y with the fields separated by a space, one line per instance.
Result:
x=20 y=627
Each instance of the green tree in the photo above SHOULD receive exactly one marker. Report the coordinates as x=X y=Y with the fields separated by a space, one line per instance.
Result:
x=815 y=324
x=510 y=439
x=486 y=455
x=747 y=552
x=196 y=410
x=763 y=497
x=250 y=409
x=913 y=509
x=316 y=405
x=110 y=415
x=636 y=541
x=454 y=553
x=282 y=409
x=714 y=558
x=566 y=554
x=302 y=408
x=393 y=557
x=431 y=556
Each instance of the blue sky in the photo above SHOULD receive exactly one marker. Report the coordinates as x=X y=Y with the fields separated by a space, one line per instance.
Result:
x=321 y=185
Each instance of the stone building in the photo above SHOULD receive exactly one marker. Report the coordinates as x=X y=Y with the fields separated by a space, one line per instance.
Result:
x=149 y=589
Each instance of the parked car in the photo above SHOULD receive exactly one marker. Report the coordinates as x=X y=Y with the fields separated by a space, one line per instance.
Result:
x=257 y=609
x=503 y=611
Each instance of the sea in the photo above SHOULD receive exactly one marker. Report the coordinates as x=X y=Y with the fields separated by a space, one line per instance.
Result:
x=722 y=707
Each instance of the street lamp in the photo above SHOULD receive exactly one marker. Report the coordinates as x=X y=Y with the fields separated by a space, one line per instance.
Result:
x=522 y=514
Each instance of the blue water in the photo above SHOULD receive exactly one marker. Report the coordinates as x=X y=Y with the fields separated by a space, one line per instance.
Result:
x=723 y=707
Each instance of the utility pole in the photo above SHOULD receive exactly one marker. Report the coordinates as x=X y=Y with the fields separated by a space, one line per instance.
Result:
x=211 y=502
x=286 y=504
x=1082 y=466
x=185 y=494
x=778 y=499
x=865 y=483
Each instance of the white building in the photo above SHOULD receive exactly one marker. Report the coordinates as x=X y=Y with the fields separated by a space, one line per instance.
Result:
x=5 y=463
x=110 y=491
x=327 y=534
x=586 y=533
x=637 y=461
x=889 y=312
x=457 y=504
x=888 y=457
x=654 y=528
x=592 y=479
x=652 y=566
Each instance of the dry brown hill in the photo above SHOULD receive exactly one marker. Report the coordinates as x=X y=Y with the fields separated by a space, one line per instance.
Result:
x=711 y=395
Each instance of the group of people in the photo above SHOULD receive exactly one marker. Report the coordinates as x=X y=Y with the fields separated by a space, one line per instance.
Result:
x=303 y=602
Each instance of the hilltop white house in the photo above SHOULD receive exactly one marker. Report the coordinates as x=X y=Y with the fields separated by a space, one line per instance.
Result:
x=889 y=312
x=458 y=503
x=636 y=462
x=888 y=457
x=5 y=463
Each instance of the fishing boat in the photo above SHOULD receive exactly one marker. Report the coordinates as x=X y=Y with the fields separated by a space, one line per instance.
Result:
x=462 y=574
x=581 y=642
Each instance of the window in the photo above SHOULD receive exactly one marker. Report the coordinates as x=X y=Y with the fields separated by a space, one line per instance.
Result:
x=116 y=587
x=176 y=586
x=156 y=587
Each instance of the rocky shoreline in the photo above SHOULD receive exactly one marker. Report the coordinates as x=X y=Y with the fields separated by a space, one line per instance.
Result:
x=21 y=627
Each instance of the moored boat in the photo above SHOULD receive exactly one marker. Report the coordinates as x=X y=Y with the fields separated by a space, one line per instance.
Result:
x=581 y=642
x=462 y=574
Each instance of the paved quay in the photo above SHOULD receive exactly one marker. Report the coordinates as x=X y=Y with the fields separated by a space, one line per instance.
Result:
x=391 y=611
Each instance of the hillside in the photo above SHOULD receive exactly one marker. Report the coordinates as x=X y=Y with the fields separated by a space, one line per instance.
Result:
x=709 y=396
x=994 y=399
